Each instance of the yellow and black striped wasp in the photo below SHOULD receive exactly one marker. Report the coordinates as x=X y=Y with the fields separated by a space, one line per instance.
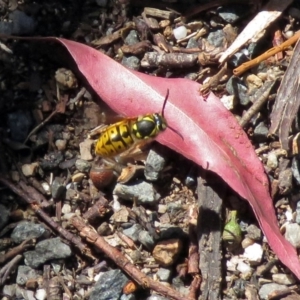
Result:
x=120 y=137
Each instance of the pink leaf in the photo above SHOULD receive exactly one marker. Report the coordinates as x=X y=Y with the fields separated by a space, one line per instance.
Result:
x=212 y=137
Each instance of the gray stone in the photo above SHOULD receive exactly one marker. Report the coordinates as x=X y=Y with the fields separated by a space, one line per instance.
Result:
x=154 y=165
x=22 y=23
x=109 y=286
x=232 y=13
x=292 y=234
x=47 y=250
x=4 y=215
x=28 y=230
x=132 y=38
x=146 y=239
x=143 y=192
x=133 y=232
x=131 y=62
x=261 y=132
x=83 y=165
x=254 y=233
x=268 y=288
x=164 y=274
x=58 y=188
x=235 y=86
x=25 y=273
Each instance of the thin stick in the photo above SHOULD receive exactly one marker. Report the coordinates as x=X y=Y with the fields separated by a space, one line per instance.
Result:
x=250 y=64
x=114 y=254
x=37 y=209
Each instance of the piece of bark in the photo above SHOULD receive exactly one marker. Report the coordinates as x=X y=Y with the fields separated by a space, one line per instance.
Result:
x=210 y=194
x=287 y=101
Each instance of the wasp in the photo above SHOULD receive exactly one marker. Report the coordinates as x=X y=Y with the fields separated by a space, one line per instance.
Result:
x=117 y=138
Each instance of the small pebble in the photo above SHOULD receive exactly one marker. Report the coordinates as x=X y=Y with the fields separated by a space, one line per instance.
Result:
x=47 y=250
x=25 y=273
x=41 y=294
x=272 y=161
x=85 y=149
x=109 y=285
x=58 y=188
x=162 y=208
x=247 y=242
x=131 y=62
x=120 y=216
x=143 y=192
x=83 y=165
x=261 y=132
x=292 y=234
x=78 y=177
x=154 y=165
x=243 y=267
x=146 y=239
x=132 y=38
x=28 y=230
x=104 y=229
x=164 y=274
x=133 y=232
x=253 y=253
x=180 y=32
x=283 y=279
x=66 y=208
x=166 y=252
x=269 y=288
x=60 y=145
x=254 y=233
x=229 y=101
x=29 y=169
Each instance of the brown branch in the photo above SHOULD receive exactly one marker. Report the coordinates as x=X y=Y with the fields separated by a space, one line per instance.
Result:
x=36 y=208
x=9 y=268
x=257 y=105
x=250 y=64
x=91 y=236
x=17 y=250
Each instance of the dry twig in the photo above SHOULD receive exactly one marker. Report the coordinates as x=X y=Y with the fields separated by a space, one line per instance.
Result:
x=37 y=209
x=91 y=236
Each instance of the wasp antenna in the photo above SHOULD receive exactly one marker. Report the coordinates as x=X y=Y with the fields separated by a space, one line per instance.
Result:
x=165 y=102
x=174 y=130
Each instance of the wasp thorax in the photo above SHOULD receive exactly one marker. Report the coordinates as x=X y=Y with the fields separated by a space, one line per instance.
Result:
x=148 y=126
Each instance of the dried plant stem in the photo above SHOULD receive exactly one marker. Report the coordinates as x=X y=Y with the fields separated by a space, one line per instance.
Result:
x=17 y=250
x=91 y=236
x=8 y=268
x=34 y=130
x=37 y=209
x=256 y=105
x=250 y=64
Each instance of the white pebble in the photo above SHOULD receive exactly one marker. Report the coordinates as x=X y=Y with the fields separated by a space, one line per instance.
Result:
x=289 y=215
x=243 y=267
x=66 y=208
x=292 y=234
x=40 y=294
x=180 y=32
x=253 y=253
x=283 y=278
x=60 y=144
x=29 y=169
x=272 y=161
x=229 y=101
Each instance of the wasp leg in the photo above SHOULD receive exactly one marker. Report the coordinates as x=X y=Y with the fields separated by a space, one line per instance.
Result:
x=97 y=131
x=136 y=152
